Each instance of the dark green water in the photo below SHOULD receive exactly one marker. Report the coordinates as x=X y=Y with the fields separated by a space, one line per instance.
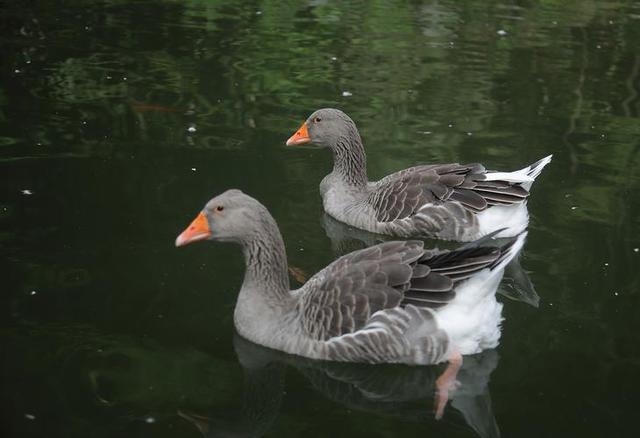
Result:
x=119 y=119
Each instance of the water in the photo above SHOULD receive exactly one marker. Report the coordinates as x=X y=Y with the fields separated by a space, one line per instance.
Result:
x=118 y=120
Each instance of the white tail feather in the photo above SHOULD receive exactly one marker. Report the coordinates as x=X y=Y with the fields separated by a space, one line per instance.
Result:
x=524 y=176
x=516 y=177
x=536 y=168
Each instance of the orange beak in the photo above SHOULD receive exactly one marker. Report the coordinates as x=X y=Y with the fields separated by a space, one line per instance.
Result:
x=198 y=230
x=300 y=137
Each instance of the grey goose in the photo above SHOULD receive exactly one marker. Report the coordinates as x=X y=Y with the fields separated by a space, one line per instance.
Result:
x=447 y=201
x=395 y=302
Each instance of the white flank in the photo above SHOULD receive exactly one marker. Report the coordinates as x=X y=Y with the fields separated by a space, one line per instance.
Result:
x=472 y=319
x=513 y=218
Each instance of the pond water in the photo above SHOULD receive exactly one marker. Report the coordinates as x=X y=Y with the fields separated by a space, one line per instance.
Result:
x=120 y=119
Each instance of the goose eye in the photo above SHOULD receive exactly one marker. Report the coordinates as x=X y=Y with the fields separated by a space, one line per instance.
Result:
x=219 y=208
x=317 y=119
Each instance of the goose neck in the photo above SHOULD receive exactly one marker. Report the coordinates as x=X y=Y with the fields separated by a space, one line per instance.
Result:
x=350 y=161
x=266 y=263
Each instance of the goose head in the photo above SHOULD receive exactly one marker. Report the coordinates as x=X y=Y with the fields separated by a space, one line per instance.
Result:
x=230 y=216
x=326 y=127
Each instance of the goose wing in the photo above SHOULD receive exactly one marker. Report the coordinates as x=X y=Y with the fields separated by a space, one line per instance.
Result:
x=403 y=193
x=344 y=297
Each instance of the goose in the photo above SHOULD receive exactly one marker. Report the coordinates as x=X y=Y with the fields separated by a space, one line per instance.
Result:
x=395 y=302
x=460 y=202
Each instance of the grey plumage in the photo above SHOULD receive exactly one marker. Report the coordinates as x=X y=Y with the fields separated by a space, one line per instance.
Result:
x=374 y=305
x=516 y=284
x=403 y=194
x=441 y=200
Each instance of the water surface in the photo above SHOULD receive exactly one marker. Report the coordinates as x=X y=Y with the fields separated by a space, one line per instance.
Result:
x=119 y=119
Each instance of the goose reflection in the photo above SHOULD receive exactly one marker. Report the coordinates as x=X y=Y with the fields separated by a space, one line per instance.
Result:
x=516 y=284
x=396 y=391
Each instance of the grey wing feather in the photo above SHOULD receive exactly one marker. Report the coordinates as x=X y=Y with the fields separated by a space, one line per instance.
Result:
x=447 y=269
x=408 y=334
x=342 y=298
x=403 y=193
